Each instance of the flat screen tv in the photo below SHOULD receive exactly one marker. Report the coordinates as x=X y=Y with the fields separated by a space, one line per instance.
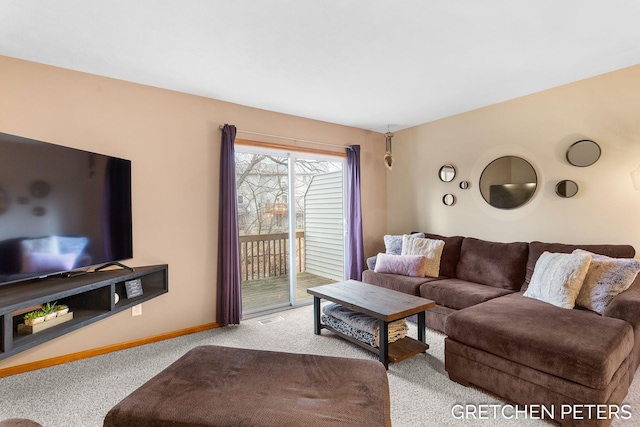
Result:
x=61 y=209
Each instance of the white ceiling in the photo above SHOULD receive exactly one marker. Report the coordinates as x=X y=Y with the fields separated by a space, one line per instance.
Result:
x=371 y=64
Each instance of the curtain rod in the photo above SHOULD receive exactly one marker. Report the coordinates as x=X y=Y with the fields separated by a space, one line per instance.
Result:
x=290 y=139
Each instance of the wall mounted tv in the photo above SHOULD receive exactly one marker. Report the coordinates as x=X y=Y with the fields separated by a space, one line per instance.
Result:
x=61 y=209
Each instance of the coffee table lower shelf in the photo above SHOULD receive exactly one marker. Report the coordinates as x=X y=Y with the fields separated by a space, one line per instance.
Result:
x=398 y=350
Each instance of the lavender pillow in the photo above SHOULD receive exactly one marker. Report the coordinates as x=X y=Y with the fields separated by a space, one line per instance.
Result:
x=405 y=265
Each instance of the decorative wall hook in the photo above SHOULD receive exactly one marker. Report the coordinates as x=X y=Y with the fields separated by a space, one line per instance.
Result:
x=388 y=156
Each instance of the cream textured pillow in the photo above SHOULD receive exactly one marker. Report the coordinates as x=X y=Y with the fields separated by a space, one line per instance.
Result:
x=557 y=278
x=606 y=278
x=430 y=248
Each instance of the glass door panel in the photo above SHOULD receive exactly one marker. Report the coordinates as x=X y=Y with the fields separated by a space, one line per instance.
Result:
x=262 y=183
x=291 y=223
x=319 y=221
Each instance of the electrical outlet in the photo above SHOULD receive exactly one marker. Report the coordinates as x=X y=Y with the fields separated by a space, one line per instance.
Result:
x=136 y=310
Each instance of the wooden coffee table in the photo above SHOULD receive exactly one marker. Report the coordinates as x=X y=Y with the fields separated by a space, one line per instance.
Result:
x=385 y=305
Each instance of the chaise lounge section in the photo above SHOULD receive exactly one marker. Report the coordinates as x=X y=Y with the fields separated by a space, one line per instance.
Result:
x=522 y=349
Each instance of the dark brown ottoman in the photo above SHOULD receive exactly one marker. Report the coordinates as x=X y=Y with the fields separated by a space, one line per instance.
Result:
x=223 y=386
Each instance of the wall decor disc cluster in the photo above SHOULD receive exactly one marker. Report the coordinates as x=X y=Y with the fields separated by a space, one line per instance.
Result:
x=447 y=173
x=566 y=188
x=583 y=153
x=449 y=199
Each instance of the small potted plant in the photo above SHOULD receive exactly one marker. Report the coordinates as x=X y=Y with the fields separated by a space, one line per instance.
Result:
x=61 y=309
x=49 y=311
x=33 y=317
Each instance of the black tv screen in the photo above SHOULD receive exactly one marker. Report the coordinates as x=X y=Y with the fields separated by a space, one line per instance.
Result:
x=61 y=209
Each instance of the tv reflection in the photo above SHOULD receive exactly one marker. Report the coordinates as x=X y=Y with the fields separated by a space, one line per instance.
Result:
x=26 y=257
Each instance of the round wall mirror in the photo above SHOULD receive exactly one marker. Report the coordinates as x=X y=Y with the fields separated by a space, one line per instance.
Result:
x=447 y=173
x=39 y=189
x=508 y=182
x=583 y=153
x=566 y=188
x=449 y=199
x=464 y=185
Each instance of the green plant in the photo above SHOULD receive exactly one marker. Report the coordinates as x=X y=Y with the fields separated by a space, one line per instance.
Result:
x=59 y=307
x=48 y=308
x=33 y=314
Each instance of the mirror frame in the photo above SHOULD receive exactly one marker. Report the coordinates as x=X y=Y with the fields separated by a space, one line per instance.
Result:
x=564 y=183
x=444 y=171
x=524 y=201
x=580 y=146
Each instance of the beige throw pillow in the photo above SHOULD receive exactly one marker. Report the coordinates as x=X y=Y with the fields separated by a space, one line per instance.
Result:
x=429 y=248
x=607 y=277
x=557 y=278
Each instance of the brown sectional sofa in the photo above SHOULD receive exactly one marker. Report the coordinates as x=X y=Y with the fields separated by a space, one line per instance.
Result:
x=524 y=350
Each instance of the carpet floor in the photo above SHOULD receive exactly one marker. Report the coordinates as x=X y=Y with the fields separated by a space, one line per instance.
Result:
x=81 y=393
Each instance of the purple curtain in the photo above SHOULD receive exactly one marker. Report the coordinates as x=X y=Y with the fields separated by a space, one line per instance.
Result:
x=355 y=245
x=229 y=304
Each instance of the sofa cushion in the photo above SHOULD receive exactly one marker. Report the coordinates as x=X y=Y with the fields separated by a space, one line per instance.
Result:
x=537 y=248
x=436 y=317
x=459 y=294
x=606 y=278
x=502 y=265
x=558 y=278
x=625 y=307
x=577 y=345
x=450 y=253
x=407 y=284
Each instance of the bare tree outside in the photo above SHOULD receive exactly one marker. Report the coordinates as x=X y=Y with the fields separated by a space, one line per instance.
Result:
x=262 y=186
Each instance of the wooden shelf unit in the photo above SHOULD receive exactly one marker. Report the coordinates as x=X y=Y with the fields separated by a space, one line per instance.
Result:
x=91 y=297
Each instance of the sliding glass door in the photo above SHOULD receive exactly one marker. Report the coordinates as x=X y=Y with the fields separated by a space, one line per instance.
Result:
x=291 y=222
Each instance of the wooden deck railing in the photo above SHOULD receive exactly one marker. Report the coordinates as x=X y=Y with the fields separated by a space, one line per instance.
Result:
x=267 y=255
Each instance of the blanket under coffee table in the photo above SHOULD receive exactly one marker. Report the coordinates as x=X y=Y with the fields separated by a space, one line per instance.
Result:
x=386 y=305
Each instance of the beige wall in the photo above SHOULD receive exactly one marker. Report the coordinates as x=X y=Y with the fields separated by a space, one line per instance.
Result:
x=173 y=142
x=540 y=128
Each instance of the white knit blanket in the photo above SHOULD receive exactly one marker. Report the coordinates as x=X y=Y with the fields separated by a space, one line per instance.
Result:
x=366 y=323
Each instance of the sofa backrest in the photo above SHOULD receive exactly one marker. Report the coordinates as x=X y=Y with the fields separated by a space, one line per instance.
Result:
x=537 y=248
x=501 y=265
x=450 y=253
